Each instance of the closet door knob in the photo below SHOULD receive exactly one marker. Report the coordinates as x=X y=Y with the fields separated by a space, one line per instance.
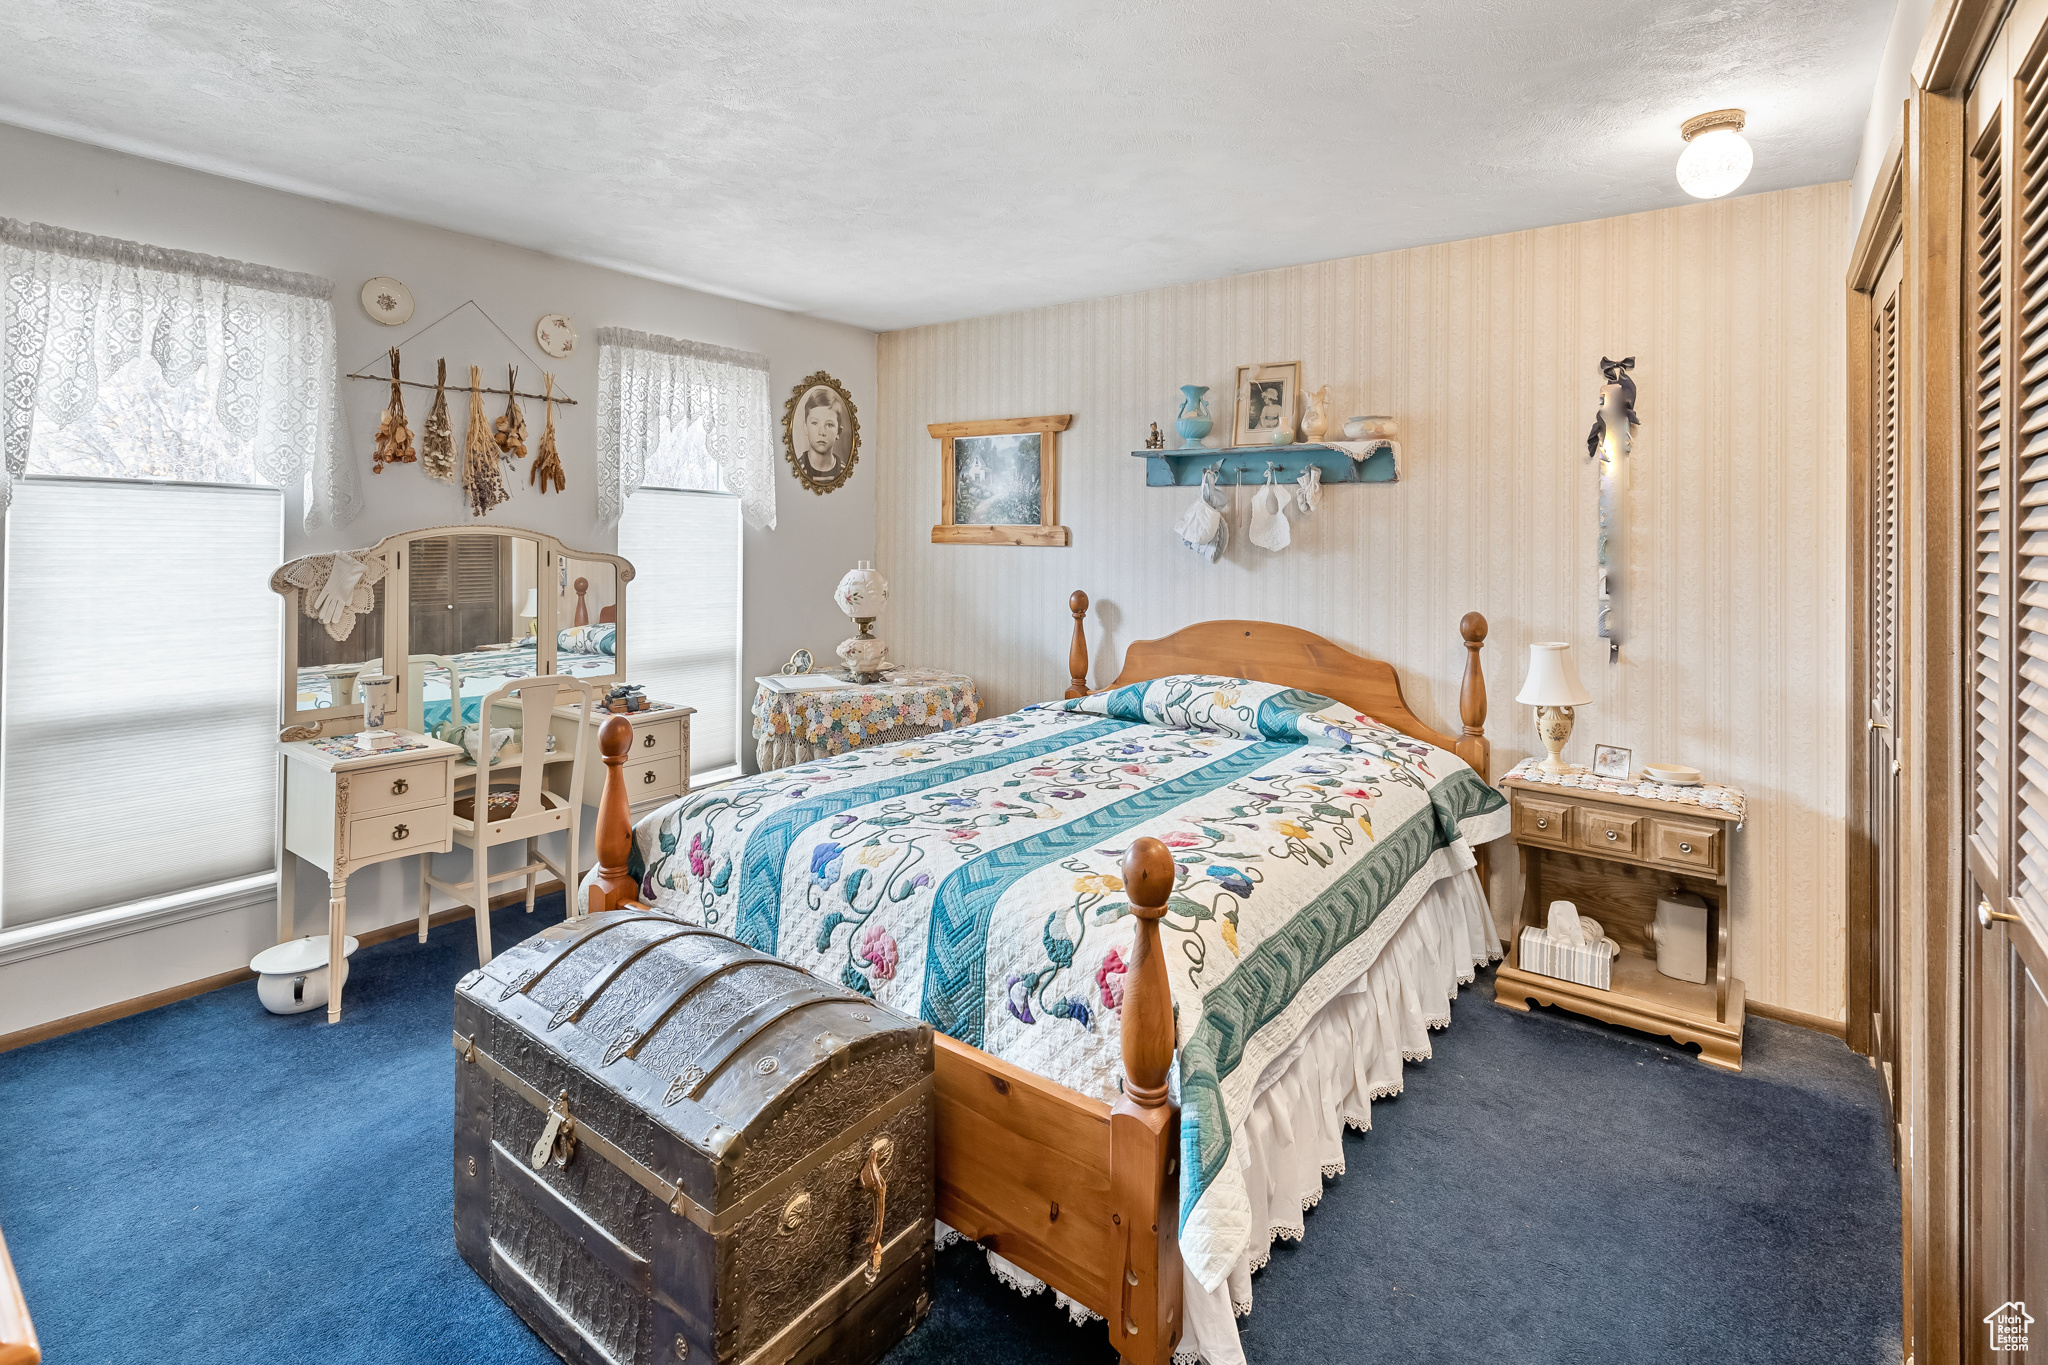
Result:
x=400 y=787
x=400 y=832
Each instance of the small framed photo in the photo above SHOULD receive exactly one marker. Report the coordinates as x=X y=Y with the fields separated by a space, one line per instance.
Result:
x=1611 y=760
x=1266 y=398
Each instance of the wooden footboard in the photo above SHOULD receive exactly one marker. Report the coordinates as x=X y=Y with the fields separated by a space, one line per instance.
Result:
x=1081 y=1194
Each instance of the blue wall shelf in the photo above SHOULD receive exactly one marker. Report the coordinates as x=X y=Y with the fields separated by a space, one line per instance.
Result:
x=1247 y=464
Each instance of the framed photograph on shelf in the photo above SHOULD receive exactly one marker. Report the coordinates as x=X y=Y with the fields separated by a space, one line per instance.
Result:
x=999 y=481
x=1611 y=760
x=1266 y=399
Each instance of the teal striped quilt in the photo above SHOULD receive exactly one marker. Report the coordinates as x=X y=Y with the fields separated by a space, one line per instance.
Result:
x=972 y=879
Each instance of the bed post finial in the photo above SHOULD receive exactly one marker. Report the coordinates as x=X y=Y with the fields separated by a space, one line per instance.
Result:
x=614 y=884
x=1144 y=1131
x=1473 y=748
x=1077 y=653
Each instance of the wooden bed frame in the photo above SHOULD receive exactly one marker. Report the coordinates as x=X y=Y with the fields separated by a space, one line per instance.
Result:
x=1081 y=1194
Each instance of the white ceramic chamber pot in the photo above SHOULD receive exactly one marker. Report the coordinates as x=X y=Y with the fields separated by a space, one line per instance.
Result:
x=291 y=978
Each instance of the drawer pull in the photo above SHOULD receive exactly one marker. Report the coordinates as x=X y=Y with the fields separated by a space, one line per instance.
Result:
x=647 y=743
x=648 y=779
x=1685 y=848
x=400 y=787
x=1543 y=824
x=400 y=832
x=1613 y=835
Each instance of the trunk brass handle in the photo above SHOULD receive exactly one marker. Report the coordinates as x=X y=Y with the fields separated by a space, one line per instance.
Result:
x=1985 y=914
x=871 y=1178
x=400 y=787
x=401 y=832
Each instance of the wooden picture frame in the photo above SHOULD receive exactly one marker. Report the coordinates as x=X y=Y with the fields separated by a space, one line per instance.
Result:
x=1021 y=432
x=1285 y=373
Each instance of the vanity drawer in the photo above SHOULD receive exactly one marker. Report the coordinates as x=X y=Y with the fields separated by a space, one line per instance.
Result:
x=658 y=740
x=1543 y=822
x=1686 y=845
x=1606 y=831
x=399 y=786
x=376 y=836
x=655 y=778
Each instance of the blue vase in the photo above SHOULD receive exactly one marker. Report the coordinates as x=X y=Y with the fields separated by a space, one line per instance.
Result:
x=1194 y=421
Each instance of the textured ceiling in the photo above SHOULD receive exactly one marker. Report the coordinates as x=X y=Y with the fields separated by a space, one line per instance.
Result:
x=889 y=164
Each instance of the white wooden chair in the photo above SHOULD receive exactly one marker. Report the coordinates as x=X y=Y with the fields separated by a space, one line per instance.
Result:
x=537 y=810
x=416 y=688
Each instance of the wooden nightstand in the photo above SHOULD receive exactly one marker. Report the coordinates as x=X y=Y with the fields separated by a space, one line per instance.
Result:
x=1612 y=856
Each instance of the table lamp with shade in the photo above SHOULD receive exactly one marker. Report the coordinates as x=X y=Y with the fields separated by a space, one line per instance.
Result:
x=1553 y=688
x=531 y=612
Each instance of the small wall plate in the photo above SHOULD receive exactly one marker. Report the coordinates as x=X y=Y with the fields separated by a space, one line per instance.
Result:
x=388 y=301
x=555 y=334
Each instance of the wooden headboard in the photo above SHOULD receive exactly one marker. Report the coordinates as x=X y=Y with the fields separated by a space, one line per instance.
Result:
x=1292 y=657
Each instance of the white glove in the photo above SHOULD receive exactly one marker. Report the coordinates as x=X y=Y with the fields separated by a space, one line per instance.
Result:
x=340 y=589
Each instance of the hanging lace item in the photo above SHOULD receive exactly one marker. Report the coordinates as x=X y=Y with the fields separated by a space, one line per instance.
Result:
x=547 y=461
x=394 y=437
x=1203 y=528
x=437 y=438
x=480 y=477
x=334 y=589
x=1269 y=530
x=257 y=343
x=658 y=394
x=1308 y=489
x=510 y=430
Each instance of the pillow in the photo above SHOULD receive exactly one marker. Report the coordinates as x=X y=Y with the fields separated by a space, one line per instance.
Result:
x=602 y=639
x=1234 y=707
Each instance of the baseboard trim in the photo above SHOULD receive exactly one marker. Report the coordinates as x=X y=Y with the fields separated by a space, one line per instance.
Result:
x=170 y=995
x=1832 y=1027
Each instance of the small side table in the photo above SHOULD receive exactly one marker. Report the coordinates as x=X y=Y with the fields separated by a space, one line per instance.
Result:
x=1612 y=848
x=909 y=704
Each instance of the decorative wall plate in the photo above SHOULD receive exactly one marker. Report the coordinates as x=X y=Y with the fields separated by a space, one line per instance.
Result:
x=388 y=301
x=556 y=335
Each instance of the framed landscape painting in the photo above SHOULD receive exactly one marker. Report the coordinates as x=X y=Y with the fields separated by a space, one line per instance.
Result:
x=999 y=481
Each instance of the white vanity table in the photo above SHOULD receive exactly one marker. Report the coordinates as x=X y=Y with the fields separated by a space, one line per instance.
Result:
x=451 y=613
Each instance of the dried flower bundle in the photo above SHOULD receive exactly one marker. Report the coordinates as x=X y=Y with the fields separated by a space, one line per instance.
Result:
x=547 y=461
x=394 y=437
x=480 y=478
x=437 y=438
x=511 y=428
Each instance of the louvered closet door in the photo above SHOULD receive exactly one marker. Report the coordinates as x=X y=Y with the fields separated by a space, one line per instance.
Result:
x=2005 y=1063
x=1881 y=689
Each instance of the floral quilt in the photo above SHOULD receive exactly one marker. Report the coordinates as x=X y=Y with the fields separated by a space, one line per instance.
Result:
x=973 y=879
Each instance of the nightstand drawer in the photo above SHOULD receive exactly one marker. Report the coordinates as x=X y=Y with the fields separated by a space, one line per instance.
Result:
x=661 y=777
x=1686 y=845
x=656 y=741
x=377 y=836
x=1543 y=822
x=1609 y=831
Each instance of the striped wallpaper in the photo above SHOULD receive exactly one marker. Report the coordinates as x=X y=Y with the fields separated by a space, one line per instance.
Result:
x=1486 y=352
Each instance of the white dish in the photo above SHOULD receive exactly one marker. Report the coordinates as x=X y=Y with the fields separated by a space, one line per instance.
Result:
x=1672 y=774
x=388 y=301
x=555 y=334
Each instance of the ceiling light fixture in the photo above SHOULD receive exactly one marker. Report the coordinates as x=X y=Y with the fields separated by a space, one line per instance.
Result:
x=1716 y=160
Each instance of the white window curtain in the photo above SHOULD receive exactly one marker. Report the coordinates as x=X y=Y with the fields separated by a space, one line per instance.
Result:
x=668 y=409
x=254 y=345
x=683 y=633
x=138 y=721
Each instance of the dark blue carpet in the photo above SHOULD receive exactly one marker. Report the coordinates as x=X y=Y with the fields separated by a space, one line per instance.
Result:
x=207 y=1182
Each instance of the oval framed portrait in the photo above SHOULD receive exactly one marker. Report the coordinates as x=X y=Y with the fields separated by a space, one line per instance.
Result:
x=820 y=433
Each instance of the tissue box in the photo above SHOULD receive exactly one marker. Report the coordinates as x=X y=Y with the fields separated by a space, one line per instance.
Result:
x=1588 y=965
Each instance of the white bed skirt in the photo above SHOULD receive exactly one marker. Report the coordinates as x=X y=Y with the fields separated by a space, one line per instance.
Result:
x=1350 y=1055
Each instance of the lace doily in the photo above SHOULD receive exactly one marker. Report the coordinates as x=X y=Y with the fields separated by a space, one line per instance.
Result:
x=309 y=574
x=1710 y=795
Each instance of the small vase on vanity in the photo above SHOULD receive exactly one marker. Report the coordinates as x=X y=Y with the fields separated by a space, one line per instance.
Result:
x=1315 y=424
x=861 y=595
x=1194 y=421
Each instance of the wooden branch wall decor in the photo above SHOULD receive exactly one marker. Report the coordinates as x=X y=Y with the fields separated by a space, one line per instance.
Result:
x=999 y=481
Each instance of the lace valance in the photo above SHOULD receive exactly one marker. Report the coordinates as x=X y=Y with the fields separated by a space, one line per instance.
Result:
x=75 y=309
x=665 y=406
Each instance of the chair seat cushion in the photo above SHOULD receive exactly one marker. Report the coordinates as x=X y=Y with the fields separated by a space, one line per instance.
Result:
x=503 y=803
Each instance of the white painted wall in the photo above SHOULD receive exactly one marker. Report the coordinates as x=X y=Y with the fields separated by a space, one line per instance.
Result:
x=1887 y=98
x=789 y=572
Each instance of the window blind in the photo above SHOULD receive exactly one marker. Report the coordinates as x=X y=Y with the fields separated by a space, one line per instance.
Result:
x=138 y=704
x=2024 y=860
x=683 y=620
x=1989 y=450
